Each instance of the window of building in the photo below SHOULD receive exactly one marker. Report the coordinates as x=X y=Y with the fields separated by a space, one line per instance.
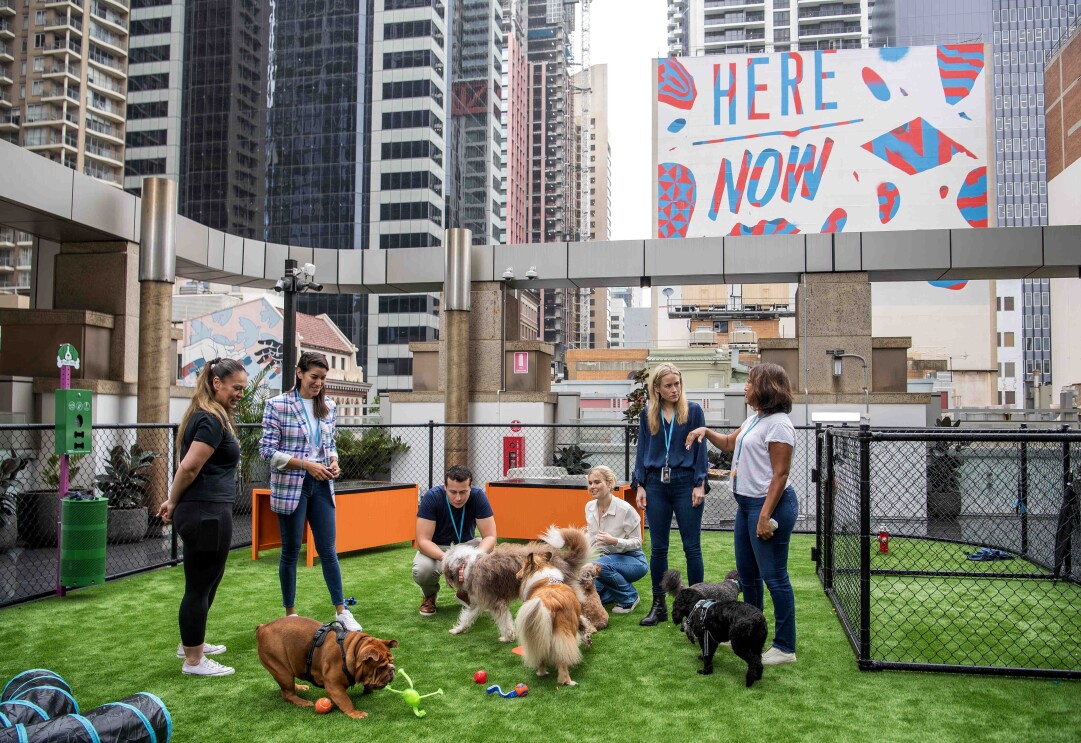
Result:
x=148 y=110
x=1007 y=339
x=39 y=42
x=1047 y=366
x=156 y=81
x=1011 y=397
x=140 y=54
x=1011 y=369
x=1007 y=304
x=152 y=166
x=145 y=26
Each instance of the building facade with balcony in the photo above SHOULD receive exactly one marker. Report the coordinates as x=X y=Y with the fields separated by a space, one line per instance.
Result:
x=63 y=82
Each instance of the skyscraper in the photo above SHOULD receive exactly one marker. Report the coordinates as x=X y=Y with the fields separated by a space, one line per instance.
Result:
x=155 y=79
x=407 y=170
x=515 y=124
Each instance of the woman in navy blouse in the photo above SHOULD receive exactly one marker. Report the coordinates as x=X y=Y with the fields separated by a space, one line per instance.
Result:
x=670 y=479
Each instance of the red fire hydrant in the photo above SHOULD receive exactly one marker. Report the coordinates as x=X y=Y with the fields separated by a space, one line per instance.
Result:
x=883 y=541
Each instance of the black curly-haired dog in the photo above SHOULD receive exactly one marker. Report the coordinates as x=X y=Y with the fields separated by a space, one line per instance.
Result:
x=711 y=622
x=684 y=597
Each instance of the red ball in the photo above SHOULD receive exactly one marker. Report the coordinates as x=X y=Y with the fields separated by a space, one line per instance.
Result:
x=323 y=705
x=522 y=689
x=480 y=676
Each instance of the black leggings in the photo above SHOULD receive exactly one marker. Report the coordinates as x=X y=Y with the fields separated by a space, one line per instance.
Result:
x=206 y=529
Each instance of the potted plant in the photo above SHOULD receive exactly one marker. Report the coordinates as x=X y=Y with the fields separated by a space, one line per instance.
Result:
x=368 y=457
x=9 y=490
x=254 y=471
x=39 y=510
x=124 y=483
x=573 y=459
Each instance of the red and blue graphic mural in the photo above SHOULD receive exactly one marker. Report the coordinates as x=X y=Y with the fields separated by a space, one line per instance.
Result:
x=915 y=147
x=822 y=141
x=676 y=196
x=889 y=201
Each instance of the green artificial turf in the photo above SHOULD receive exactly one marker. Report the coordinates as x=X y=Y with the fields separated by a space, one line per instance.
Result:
x=635 y=683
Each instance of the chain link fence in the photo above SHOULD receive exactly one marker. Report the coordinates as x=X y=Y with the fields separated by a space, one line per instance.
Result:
x=137 y=481
x=942 y=550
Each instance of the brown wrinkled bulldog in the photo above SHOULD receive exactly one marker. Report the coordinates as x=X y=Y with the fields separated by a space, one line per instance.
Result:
x=283 y=650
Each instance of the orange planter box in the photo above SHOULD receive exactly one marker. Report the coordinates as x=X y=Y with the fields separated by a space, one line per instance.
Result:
x=369 y=514
x=525 y=508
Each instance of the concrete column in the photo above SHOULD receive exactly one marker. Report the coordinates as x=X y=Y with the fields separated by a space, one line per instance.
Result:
x=833 y=311
x=456 y=303
x=157 y=272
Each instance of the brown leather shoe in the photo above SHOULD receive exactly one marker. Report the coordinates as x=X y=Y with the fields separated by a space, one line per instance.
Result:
x=427 y=606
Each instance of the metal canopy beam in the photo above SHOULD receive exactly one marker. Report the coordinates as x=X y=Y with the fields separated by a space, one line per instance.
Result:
x=49 y=200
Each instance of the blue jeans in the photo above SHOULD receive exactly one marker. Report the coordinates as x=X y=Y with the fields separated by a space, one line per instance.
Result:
x=317 y=507
x=662 y=500
x=618 y=571
x=766 y=561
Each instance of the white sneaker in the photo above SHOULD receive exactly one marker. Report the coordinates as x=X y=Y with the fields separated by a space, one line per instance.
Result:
x=626 y=609
x=777 y=657
x=208 y=667
x=208 y=649
x=347 y=621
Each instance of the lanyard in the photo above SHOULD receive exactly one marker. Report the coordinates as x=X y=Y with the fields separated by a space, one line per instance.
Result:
x=313 y=428
x=459 y=526
x=739 y=450
x=668 y=434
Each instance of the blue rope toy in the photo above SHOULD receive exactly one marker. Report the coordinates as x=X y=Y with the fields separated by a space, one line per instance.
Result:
x=519 y=690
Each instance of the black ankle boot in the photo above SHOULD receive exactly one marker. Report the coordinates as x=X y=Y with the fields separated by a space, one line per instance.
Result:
x=657 y=613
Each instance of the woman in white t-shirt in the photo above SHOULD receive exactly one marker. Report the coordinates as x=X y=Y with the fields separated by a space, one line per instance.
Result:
x=767 y=505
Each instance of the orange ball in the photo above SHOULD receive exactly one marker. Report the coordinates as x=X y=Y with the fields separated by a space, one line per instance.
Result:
x=323 y=705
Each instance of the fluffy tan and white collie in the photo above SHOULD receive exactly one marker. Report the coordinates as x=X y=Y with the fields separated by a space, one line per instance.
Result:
x=491 y=579
x=550 y=618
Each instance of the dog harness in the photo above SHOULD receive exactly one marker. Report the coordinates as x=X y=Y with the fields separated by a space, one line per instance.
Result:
x=704 y=604
x=320 y=637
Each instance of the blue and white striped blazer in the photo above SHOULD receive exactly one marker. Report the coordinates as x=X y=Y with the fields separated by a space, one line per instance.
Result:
x=285 y=430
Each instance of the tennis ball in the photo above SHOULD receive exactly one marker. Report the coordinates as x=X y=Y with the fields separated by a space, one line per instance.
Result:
x=480 y=676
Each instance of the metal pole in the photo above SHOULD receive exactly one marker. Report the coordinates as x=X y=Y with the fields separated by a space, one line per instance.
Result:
x=1022 y=492
x=431 y=454
x=627 y=452
x=1068 y=566
x=827 y=508
x=289 y=329
x=865 y=543
x=816 y=477
x=65 y=384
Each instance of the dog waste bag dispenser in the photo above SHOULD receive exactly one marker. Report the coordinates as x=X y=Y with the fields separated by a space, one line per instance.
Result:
x=73 y=417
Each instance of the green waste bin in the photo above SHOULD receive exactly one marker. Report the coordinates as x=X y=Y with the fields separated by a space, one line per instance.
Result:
x=83 y=523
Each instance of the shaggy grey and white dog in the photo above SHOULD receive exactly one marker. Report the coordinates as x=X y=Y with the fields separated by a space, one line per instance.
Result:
x=491 y=578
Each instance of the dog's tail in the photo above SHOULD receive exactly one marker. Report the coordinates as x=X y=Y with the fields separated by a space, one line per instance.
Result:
x=542 y=643
x=574 y=545
x=672 y=583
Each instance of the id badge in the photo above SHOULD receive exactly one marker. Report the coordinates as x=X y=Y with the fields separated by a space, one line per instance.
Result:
x=666 y=474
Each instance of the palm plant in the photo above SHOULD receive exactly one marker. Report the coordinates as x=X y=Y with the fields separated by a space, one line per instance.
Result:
x=250 y=411
x=573 y=459
x=636 y=402
x=124 y=480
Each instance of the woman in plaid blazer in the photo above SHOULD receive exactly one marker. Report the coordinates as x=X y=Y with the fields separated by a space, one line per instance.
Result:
x=298 y=441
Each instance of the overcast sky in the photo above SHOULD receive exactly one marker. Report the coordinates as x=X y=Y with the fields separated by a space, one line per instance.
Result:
x=627 y=35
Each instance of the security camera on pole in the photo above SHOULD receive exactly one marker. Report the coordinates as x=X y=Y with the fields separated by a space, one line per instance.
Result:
x=294 y=281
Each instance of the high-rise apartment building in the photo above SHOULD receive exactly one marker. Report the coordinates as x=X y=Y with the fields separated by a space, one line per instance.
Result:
x=155 y=79
x=593 y=170
x=63 y=80
x=697 y=27
x=475 y=168
x=514 y=124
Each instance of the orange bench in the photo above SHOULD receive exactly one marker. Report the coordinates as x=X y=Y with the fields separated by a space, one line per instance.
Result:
x=525 y=508
x=370 y=514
